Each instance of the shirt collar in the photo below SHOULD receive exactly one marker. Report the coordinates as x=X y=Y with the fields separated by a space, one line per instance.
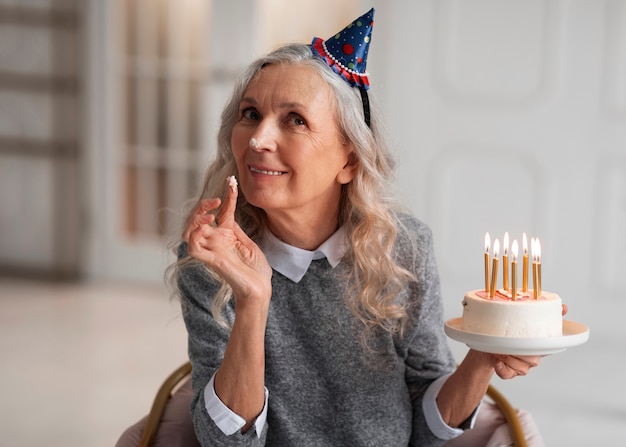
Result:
x=293 y=262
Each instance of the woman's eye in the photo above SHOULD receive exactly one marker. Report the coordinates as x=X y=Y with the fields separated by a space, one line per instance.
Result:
x=297 y=120
x=251 y=114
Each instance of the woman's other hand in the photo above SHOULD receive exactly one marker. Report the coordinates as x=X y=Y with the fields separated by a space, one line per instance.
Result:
x=510 y=366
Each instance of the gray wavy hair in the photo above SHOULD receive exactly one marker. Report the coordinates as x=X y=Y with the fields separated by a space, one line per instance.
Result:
x=366 y=209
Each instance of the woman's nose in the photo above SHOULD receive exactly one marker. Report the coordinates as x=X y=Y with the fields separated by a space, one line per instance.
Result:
x=264 y=138
x=254 y=144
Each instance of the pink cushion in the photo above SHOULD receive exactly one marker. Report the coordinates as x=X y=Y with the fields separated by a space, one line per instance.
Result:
x=176 y=428
x=491 y=430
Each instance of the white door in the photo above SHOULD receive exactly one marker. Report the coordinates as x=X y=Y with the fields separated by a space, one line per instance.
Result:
x=148 y=72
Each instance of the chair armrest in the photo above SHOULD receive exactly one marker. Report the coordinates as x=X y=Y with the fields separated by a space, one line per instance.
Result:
x=160 y=401
x=517 y=433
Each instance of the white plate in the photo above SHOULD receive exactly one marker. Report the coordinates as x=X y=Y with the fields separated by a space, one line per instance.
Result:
x=574 y=334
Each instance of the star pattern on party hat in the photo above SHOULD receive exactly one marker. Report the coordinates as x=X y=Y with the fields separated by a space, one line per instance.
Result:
x=346 y=52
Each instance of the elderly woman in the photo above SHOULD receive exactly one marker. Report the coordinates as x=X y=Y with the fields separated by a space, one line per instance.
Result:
x=311 y=301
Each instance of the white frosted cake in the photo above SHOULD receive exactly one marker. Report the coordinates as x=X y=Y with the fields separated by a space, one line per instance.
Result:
x=504 y=317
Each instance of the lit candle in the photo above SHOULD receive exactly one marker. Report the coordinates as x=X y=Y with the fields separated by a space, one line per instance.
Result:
x=538 y=246
x=494 y=269
x=534 y=247
x=487 y=247
x=514 y=250
x=505 y=262
x=525 y=264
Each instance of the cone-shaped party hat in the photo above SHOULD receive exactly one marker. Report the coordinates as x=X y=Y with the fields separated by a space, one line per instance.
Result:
x=346 y=51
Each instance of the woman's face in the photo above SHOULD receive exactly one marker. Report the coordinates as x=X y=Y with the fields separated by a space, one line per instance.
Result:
x=297 y=161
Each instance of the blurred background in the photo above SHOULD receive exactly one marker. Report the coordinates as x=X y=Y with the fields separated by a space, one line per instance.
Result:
x=505 y=115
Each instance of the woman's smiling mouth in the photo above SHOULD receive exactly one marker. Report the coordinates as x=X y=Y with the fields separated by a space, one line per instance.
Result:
x=265 y=172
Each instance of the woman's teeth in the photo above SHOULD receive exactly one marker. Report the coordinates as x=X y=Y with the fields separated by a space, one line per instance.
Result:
x=260 y=171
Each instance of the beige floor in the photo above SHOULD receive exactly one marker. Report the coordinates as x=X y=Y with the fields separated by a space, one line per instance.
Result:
x=81 y=362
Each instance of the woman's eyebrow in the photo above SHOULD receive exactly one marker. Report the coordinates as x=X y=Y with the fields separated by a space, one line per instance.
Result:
x=249 y=100
x=291 y=105
x=283 y=105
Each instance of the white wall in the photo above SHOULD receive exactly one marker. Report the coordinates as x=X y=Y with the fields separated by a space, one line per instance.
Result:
x=510 y=116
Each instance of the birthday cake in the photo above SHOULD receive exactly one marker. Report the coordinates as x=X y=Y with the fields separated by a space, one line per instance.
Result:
x=504 y=317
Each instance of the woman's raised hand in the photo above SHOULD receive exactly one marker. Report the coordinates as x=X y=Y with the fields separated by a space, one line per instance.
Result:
x=217 y=240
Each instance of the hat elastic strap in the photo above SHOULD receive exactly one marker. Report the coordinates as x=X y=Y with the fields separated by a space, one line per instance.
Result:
x=366 y=105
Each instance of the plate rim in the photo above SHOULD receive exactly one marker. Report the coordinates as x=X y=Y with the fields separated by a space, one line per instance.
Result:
x=575 y=334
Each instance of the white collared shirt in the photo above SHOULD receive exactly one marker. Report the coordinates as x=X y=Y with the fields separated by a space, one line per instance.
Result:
x=293 y=263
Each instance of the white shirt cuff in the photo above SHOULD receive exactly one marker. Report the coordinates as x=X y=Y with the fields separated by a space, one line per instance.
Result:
x=227 y=420
x=432 y=415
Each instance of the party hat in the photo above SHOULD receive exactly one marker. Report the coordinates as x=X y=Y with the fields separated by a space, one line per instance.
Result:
x=346 y=51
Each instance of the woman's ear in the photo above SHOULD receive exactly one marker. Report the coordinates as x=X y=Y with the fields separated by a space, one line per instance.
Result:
x=348 y=171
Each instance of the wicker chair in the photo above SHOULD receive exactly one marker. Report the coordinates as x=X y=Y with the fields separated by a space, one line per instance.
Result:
x=173 y=382
x=169 y=386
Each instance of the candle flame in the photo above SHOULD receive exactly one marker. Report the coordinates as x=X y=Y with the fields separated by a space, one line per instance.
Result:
x=506 y=243
x=496 y=248
x=487 y=243
x=524 y=243
x=535 y=247
x=514 y=250
x=538 y=246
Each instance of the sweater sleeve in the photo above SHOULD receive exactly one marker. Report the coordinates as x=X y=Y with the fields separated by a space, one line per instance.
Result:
x=206 y=345
x=427 y=354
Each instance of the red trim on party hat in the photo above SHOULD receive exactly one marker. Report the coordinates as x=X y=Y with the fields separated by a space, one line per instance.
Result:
x=351 y=76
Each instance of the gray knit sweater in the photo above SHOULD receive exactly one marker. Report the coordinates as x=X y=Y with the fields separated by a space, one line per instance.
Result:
x=324 y=388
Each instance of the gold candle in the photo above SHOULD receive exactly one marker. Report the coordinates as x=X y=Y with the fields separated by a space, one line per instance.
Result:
x=535 y=279
x=535 y=266
x=505 y=262
x=525 y=264
x=494 y=270
x=514 y=250
x=487 y=247
x=538 y=246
